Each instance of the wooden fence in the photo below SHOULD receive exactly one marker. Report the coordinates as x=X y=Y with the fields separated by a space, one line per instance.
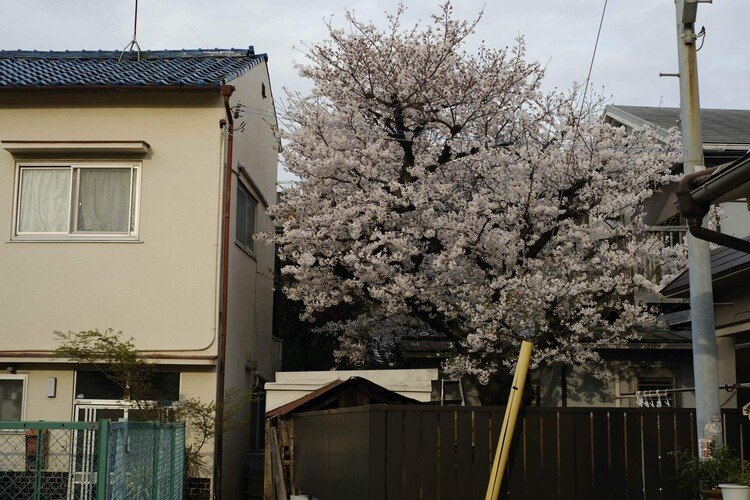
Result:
x=427 y=452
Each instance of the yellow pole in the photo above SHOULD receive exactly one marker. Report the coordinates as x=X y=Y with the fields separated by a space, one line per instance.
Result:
x=509 y=422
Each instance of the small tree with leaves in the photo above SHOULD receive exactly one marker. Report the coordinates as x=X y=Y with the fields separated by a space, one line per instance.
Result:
x=118 y=360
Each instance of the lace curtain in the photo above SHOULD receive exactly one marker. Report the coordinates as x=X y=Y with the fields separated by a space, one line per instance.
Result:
x=104 y=200
x=45 y=199
x=101 y=195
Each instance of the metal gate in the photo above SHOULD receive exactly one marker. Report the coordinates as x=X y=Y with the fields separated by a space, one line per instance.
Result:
x=91 y=460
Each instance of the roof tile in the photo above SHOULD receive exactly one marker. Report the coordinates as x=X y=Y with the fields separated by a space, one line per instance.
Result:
x=200 y=67
x=721 y=126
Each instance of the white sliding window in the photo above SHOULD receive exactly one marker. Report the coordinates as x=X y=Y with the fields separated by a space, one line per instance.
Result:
x=77 y=202
x=245 y=223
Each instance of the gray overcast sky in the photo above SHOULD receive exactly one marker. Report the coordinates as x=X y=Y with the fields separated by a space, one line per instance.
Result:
x=637 y=41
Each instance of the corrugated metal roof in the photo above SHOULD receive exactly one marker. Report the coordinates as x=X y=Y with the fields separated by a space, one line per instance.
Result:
x=722 y=126
x=308 y=400
x=200 y=67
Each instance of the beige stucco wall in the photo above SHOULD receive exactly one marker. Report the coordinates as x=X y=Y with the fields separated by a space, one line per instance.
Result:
x=41 y=407
x=163 y=289
x=587 y=389
x=200 y=384
x=250 y=308
x=160 y=290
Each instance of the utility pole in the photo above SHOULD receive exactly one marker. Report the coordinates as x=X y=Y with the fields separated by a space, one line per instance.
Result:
x=705 y=352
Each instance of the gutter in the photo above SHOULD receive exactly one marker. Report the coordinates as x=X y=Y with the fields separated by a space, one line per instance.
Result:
x=695 y=196
x=87 y=88
x=226 y=93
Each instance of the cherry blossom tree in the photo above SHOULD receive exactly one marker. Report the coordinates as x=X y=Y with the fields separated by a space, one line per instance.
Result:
x=444 y=191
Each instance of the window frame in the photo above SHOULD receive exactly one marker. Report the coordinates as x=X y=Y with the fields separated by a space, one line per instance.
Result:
x=245 y=191
x=71 y=235
x=661 y=374
x=24 y=378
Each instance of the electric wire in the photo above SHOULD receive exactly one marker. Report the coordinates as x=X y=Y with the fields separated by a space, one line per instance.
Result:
x=593 y=55
x=96 y=18
x=37 y=11
x=106 y=23
x=190 y=27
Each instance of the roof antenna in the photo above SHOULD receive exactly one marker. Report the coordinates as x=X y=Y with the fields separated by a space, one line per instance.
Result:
x=133 y=45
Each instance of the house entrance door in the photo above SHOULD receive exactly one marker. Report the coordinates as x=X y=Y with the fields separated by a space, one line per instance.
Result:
x=82 y=478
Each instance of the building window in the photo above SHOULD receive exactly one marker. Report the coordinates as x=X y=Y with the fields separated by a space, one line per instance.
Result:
x=245 y=224
x=12 y=397
x=653 y=384
x=74 y=202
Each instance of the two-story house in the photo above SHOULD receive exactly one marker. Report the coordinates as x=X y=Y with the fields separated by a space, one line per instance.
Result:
x=131 y=185
x=662 y=359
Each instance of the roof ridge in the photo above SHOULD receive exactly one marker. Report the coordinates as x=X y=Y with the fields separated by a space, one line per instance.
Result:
x=162 y=68
x=144 y=54
x=625 y=106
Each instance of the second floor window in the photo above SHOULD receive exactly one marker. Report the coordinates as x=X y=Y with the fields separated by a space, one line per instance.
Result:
x=83 y=201
x=245 y=224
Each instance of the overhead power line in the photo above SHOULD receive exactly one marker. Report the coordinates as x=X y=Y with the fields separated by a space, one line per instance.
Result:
x=37 y=11
x=593 y=55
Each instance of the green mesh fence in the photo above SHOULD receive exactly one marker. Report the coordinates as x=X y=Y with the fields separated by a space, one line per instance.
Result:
x=145 y=460
x=64 y=460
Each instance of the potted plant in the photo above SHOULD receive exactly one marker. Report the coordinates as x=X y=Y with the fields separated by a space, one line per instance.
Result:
x=706 y=476
x=739 y=487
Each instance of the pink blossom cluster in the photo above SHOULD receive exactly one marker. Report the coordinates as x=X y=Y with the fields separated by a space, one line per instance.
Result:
x=443 y=191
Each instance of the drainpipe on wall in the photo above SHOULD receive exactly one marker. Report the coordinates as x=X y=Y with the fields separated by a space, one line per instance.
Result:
x=695 y=203
x=226 y=93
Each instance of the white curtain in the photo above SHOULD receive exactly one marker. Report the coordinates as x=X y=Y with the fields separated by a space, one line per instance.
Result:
x=45 y=200
x=104 y=200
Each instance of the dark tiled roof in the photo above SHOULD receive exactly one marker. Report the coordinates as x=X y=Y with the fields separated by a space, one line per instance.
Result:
x=203 y=68
x=724 y=261
x=722 y=126
x=663 y=336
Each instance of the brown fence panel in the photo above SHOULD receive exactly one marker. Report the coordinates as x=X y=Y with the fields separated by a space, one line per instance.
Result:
x=617 y=457
x=600 y=454
x=429 y=455
x=394 y=454
x=583 y=451
x=733 y=430
x=650 y=440
x=667 y=460
x=332 y=456
x=447 y=477
x=464 y=455
x=533 y=469
x=566 y=454
x=377 y=447
x=427 y=452
x=482 y=458
x=550 y=478
x=685 y=441
x=633 y=455
x=412 y=452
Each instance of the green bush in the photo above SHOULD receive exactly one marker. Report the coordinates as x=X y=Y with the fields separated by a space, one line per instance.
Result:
x=722 y=467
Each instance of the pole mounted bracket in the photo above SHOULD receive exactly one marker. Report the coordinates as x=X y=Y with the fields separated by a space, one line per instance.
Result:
x=689 y=10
